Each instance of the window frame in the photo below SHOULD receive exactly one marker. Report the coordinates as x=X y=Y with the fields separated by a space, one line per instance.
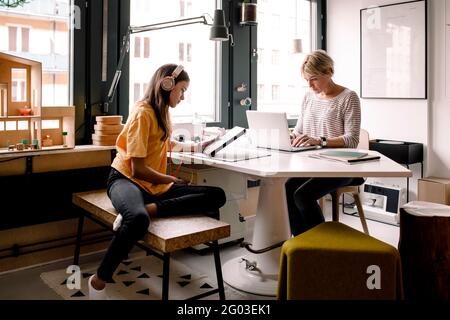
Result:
x=89 y=89
x=318 y=40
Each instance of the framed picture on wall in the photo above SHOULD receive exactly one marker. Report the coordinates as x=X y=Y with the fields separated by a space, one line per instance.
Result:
x=394 y=51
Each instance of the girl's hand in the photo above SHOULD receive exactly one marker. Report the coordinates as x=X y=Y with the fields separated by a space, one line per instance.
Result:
x=179 y=181
x=202 y=145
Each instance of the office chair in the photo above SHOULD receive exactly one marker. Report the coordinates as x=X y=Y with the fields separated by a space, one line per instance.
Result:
x=353 y=190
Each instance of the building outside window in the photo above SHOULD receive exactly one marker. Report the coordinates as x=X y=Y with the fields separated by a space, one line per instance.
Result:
x=137 y=92
x=137 y=47
x=261 y=95
x=275 y=92
x=187 y=45
x=146 y=47
x=19 y=38
x=276 y=57
x=185 y=8
x=278 y=25
x=181 y=52
x=142 y=47
x=41 y=30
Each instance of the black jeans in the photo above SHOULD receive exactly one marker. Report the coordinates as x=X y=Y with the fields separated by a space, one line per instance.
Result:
x=129 y=200
x=302 y=195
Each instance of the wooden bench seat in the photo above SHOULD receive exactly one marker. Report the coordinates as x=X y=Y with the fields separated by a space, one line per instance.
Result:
x=165 y=235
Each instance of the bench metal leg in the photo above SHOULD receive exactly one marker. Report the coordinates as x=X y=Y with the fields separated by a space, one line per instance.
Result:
x=76 y=254
x=165 y=286
x=215 y=246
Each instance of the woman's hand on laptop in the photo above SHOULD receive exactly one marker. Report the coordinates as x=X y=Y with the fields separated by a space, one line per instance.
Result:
x=305 y=140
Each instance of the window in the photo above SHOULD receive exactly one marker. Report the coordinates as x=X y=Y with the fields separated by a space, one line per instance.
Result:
x=276 y=57
x=181 y=51
x=275 y=23
x=50 y=124
x=188 y=52
x=142 y=47
x=278 y=26
x=185 y=52
x=137 y=92
x=137 y=47
x=146 y=47
x=275 y=92
x=18 y=39
x=22 y=125
x=41 y=30
x=18 y=85
x=188 y=45
x=12 y=38
x=185 y=8
x=260 y=93
x=11 y=125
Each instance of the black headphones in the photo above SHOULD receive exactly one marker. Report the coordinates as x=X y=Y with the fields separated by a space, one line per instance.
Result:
x=168 y=82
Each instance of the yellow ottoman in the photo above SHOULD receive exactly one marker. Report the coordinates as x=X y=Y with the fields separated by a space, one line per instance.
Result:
x=334 y=261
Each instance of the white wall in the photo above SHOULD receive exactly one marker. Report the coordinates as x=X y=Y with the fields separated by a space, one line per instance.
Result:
x=439 y=133
x=423 y=121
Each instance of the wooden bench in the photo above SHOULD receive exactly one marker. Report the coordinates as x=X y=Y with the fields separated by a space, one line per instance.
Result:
x=166 y=235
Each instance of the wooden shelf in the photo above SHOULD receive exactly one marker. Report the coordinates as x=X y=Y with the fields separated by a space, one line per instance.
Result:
x=19 y=117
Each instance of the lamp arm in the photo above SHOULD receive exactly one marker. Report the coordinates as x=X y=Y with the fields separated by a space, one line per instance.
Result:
x=169 y=24
x=123 y=52
x=126 y=48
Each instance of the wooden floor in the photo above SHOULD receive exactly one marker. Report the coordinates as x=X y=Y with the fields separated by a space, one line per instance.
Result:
x=26 y=284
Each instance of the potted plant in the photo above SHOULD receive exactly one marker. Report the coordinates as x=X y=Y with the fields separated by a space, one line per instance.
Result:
x=248 y=13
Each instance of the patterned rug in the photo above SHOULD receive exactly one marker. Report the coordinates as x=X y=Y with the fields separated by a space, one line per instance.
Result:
x=139 y=278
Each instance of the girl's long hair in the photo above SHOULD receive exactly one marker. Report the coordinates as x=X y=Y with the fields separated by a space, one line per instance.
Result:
x=158 y=99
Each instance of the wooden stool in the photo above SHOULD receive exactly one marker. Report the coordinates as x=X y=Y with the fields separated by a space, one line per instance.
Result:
x=425 y=250
x=334 y=261
x=166 y=235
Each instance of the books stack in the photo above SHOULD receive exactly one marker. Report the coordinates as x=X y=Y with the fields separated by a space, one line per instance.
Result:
x=345 y=156
x=106 y=130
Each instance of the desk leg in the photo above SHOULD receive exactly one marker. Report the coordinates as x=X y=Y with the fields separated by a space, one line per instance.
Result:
x=258 y=274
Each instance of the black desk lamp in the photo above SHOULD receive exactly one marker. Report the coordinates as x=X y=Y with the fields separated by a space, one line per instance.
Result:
x=219 y=32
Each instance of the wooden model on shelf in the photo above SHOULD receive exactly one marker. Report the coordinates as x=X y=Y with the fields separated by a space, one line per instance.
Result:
x=22 y=118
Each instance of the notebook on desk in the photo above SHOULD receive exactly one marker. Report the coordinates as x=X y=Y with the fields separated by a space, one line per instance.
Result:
x=270 y=130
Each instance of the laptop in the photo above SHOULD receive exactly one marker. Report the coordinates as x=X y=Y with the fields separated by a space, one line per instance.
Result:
x=270 y=130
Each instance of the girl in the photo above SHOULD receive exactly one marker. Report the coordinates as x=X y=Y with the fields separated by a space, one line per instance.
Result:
x=138 y=185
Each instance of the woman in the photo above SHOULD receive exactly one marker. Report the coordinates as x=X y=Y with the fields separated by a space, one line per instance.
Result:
x=138 y=185
x=330 y=117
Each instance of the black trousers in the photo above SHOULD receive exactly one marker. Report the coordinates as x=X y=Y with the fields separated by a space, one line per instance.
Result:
x=129 y=200
x=302 y=195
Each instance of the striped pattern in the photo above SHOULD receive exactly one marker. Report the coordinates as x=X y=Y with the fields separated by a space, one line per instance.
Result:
x=331 y=118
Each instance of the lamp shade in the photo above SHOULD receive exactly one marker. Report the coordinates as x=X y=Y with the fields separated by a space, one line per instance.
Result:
x=219 y=31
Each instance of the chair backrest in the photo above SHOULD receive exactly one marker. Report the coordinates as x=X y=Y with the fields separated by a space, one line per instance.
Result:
x=363 y=140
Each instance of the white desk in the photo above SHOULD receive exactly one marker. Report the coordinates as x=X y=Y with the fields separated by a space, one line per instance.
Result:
x=272 y=223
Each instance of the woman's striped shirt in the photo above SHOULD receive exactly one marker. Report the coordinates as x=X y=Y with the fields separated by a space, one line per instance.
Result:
x=331 y=118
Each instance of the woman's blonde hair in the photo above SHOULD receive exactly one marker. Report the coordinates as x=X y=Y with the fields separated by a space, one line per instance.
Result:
x=158 y=98
x=318 y=63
